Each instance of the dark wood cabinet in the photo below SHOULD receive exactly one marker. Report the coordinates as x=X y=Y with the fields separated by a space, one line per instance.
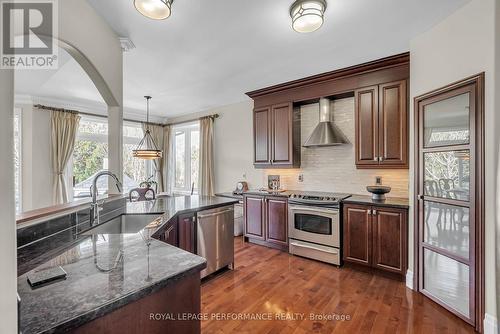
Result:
x=357 y=234
x=389 y=239
x=381 y=113
x=262 y=136
x=187 y=232
x=254 y=217
x=376 y=237
x=366 y=106
x=266 y=220
x=277 y=136
x=277 y=221
x=171 y=233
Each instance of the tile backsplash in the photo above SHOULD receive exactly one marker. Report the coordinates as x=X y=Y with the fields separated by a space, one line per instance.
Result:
x=333 y=168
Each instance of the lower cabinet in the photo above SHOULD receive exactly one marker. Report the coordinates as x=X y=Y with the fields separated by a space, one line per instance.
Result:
x=187 y=232
x=180 y=232
x=266 y=220
x=376 y=237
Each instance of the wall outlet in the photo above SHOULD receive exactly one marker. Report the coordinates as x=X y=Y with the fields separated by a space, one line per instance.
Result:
x=301 y=177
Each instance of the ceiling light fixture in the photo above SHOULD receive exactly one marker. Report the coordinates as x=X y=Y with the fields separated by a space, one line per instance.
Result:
x=307 y=15
x=147 y=148
x=154 y=9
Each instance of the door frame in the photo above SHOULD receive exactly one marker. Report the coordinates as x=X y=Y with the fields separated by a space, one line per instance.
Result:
x=478 y=244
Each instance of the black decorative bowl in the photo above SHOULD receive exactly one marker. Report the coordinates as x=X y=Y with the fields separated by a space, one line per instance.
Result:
x=378 y=192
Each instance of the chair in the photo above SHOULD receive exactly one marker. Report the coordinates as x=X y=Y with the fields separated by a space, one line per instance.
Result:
x=141 y=194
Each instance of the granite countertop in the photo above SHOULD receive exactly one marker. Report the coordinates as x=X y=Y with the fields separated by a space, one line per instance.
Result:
x=393 y=202
x=89 y=291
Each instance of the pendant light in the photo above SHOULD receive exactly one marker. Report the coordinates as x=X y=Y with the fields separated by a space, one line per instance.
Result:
x=154 y=9
x=307 y=15
x=147 y=148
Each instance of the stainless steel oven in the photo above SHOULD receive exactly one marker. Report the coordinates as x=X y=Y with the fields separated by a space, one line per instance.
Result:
x=314 y=224
x=315 y=233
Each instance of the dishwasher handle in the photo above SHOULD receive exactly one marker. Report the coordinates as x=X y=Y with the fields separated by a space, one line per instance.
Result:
x=215 y=214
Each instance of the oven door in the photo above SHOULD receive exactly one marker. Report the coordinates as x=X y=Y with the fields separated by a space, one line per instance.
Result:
x=313 y=224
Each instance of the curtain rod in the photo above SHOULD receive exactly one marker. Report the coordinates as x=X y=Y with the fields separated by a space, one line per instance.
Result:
x=40 y=106
x=213 y=116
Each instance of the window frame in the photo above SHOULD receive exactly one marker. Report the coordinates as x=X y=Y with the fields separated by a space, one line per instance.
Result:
x=187 y=129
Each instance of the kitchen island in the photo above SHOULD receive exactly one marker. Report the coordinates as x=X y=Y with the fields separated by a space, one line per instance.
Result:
x=122 y=282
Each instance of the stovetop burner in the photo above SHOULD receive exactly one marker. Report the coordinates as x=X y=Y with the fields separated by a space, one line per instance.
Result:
x=317 y=198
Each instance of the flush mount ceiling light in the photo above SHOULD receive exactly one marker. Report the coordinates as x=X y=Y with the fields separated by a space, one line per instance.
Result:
x=307 y=15
x=154 y=9
x=147 y=148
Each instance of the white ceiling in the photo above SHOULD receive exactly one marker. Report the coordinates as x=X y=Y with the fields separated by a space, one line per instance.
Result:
x=210 y=52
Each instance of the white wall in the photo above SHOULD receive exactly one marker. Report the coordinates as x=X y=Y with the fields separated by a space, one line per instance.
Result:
x=8 y=282
x=460 y=46
x=36 y=170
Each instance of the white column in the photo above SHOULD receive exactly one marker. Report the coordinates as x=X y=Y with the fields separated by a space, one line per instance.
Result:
x=8 y=254
x=115 y=145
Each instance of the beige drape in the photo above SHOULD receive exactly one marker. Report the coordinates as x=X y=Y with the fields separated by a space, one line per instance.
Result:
x=64 y=126
x=168 y=158
x=157 y=135
x=206 y=173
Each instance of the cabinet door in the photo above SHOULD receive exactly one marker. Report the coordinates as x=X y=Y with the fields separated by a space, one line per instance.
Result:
x=262 y=136
x=170 y=234
x=393 y=124
x=357 y=234
x=366 y=113
x=390 y=239
x=187 y=233
x=254 y=217
x=277 y=221
x=282 y=137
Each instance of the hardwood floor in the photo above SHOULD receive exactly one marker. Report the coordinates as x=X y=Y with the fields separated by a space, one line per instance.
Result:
x=267 y=283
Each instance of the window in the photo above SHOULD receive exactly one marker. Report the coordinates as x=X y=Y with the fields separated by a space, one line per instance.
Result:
x=17 y=159
x=90 y=155
x=135 y=170
x=187 y=149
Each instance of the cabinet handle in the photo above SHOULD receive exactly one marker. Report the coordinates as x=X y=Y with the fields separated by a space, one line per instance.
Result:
x=375 y=159
x=374 y=212
x=421 y=197
x=370 y=212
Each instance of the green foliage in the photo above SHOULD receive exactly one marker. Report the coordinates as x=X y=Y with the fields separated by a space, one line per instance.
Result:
x=88 y=159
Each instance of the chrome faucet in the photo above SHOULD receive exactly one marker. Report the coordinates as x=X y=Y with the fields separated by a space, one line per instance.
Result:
x=94 y=206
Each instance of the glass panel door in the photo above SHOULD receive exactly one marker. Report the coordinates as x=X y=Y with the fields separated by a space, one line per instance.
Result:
x=446 y=206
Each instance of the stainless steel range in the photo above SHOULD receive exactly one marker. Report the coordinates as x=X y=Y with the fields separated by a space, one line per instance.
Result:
x=314 y=225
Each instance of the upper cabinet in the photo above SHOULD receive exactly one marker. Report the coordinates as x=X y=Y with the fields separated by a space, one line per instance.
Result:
x=380 y=90
x=381 y=113
x=276 y=137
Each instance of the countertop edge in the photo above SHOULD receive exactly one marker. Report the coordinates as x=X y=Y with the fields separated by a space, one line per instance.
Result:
x=394 y=202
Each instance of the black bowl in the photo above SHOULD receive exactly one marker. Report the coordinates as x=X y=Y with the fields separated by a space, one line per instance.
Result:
x=378 y=192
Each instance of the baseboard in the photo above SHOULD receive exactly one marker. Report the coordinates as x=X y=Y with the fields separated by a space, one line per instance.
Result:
x=409 y=279
x=490 y=324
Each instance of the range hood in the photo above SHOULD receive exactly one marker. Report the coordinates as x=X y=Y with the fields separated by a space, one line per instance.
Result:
x=326 y=132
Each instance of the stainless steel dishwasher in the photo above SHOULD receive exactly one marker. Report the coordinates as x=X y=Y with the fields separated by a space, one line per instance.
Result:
x=215 y=231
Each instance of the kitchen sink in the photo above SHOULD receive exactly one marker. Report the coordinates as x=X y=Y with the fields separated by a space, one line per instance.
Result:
x=123 y=224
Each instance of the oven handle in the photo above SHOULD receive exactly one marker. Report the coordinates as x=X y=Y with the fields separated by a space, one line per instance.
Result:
x=332 y=211
x=314 y=248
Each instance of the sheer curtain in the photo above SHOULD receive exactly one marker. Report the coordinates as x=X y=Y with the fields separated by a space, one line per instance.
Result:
x=169 y=160
x=206 y=173
x=157 y=135
x=64 y=126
